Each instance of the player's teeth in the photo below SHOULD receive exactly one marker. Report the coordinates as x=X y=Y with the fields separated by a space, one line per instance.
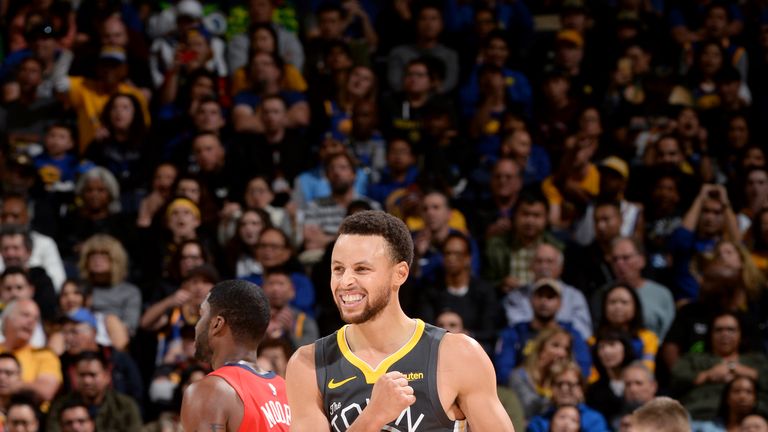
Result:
x=352 y=298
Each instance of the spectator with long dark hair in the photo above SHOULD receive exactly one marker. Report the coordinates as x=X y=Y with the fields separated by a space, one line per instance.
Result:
x=241 y=248
x=739 y=400
x=611 y=353
x=622 y=310
x=120 y=146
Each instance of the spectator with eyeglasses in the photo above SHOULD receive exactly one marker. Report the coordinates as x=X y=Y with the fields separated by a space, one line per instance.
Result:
x=627 y=260
x=274 y=250
x=698 y=379
x=568 y=389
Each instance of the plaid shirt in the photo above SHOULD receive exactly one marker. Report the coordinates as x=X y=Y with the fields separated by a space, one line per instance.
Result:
x=520 y=263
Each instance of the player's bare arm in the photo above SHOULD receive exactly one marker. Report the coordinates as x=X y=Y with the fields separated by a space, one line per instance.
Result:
x=470 y=392
x=303 y=395
x=199 y=414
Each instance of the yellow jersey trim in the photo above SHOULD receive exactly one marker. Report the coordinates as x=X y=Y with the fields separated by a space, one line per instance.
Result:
x=373 y=374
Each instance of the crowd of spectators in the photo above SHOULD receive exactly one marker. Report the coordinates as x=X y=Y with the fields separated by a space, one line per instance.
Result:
x=585 y=180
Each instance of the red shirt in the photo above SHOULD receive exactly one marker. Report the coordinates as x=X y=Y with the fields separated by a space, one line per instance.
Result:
x=265 y=403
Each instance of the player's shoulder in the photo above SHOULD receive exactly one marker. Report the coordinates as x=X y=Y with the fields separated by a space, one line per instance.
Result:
x=459 y=350
x=210 y=386
x=460 y=345
x=303 y=359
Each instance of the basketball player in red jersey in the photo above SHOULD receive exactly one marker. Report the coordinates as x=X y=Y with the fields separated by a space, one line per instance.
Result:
x=384 y=370
x=237 y=395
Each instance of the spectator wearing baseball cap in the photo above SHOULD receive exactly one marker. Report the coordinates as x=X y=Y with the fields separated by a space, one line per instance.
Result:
x=80 y=329
x=614 y=177
x=515 y=341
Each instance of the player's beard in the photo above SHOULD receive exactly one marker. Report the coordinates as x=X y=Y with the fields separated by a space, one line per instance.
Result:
x=372 y=308
x=203 y=351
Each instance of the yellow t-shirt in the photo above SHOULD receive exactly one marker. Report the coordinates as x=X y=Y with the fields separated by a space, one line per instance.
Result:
x=292 y=80
x=88 y=103
x=457 y=222
x=37 y=361
x=590 y=183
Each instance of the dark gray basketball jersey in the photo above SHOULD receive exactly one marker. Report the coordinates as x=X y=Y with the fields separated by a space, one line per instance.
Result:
x=346 y=381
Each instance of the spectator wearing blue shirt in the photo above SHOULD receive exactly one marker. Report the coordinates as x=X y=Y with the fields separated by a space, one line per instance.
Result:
x=266 y=70
x=428 y=241
x=495 y=51
x=516 y=341
x=274 y=250
x=709 y=219
x=57 y=167
x=401 y=171
x=568 y=389
x=687 y=19
x=312 y=184
x=533 y=159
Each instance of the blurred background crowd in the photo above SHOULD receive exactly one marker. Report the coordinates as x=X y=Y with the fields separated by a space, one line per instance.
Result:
x=585 y=181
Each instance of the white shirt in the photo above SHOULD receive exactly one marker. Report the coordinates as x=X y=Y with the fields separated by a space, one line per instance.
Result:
x=45 y=254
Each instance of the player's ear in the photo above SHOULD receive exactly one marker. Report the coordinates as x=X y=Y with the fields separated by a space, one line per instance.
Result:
x=217 y=324
x=401 y=273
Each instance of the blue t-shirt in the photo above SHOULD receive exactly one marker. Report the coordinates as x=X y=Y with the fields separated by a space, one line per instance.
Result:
x=684 y=245
x=253 y=100
x=513 y=347
x=591 y=420
x=519 y=91
x=59 y=175
x=305 y=291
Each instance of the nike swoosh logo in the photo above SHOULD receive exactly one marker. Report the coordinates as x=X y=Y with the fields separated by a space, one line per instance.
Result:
x=332 y=385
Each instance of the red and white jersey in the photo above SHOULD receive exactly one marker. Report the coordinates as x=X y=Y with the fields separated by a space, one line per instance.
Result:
x=265 y=402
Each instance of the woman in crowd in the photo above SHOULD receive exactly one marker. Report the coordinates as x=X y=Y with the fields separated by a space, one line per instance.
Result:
x=738 y=401
x=568 y=390
x=97 y=210
x=264 y=39
x=258 y=195
x=188 y=255
x=698 y=379
x=532 y=382
x=110 y=330
x=611 y=353
x=191 y=187
x=121 y=147
x=104 y=266
x=621 y=311
x=736 y=256
x=241 y=249
x=749 y=295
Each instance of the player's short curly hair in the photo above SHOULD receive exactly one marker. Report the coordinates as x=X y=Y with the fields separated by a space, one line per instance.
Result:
x=379 y=223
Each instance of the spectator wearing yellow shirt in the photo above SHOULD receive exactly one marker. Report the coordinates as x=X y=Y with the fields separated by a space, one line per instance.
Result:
x=88 y=96
x=574 y=184
x=40 y=367
x=264 y=39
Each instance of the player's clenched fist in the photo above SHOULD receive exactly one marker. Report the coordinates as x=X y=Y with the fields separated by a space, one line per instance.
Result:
x=390 y=396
